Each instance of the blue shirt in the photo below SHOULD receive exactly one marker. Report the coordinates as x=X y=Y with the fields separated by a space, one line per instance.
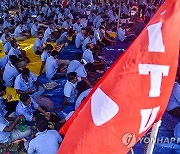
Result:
x=4 y=136
x=9 y=74
x=4 y=39
x=46 y=142
x=15 y=52
x=47 y=33
x=62 y=39
x=26 y=111
x=3 y=61
x=51 y=67
x=70 y=91
x=88 y=56
x=19 y=30
x=73 y=65
x=86 y=41
x=7 y=47
x=6 y=24
x=39 y=43
x=81 y=72
x=174 y=100
x=21 y=84
x=44 y=56
x=34 y=30
x=79 y=40
x=2 y=107
x=97 y=35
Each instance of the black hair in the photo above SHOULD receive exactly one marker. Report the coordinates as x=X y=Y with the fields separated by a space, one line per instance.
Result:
x=2 y=88
x=40 y=33
x=24 y=97
x=78 y=56
x=7 y=36
x=6 y=28
x=48 y=47
x=88 y=45
x=13 y=43
x=71 y=76
x=41 y=123
x=82 y=86
x=25 y=71
x=14 y=60
x=54 y=53
x=91 y=33
x=89 y=66
x=83 y=28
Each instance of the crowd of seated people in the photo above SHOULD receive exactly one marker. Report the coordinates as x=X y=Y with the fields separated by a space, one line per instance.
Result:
x=89 y=24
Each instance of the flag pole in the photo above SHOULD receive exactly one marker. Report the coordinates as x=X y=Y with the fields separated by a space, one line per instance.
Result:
x=153 y=137
x=119 y=15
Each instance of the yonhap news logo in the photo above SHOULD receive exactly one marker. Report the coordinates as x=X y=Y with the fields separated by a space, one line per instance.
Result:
x=129 y=140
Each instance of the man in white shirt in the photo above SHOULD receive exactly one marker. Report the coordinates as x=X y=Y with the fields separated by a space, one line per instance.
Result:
x=48 y=34
x=61 y=17
x=89 y=39
x=80 y=38
x=81 y=97
x=41 y=18
x=17 y=18
x=89 y=58
x=6 y=32
x=77 y=26
x=11 y=71
x=7 y=45
x=27 y=82
x=28 y=107
x=46 y=53
x=3 y=62
x=53 y=70
x=121 y=34
x=88 y=54
x=98 y=23
x=39 y=44
x=34 y=29
x=102 y=37
x=96 y=19
x=20 y=54
x=91 y=17
x=7 y=23
x=45 y=141
x=67 y=23
x=21 y=32
x=8 y=132
x=15 y=50
x=74 y=64
x=70 y=91
x=63 y=38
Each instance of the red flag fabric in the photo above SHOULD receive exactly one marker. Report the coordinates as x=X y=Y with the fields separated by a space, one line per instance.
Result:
x=132 y=95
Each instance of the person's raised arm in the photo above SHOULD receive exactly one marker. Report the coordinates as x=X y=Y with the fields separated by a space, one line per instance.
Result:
x=12 y=126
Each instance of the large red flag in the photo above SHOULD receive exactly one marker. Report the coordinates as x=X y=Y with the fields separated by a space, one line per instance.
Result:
x=133 y=94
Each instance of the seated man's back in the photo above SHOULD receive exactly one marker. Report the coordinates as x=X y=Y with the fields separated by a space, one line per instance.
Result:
x=46 y=141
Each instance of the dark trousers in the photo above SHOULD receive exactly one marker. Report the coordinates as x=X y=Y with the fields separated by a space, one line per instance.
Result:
x=141 y=8
x=175 y=112
x=11 y=107
x=58 y=76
